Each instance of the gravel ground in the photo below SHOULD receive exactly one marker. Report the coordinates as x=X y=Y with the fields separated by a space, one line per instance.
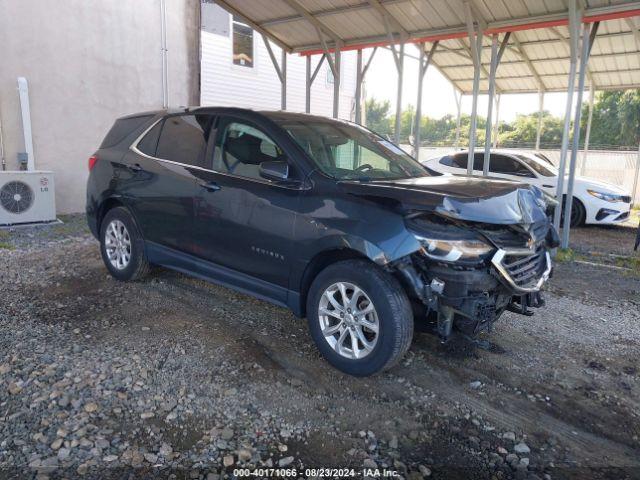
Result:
x=173 y=376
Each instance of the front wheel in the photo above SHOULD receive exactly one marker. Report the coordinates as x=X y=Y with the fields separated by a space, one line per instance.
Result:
x=360 y=317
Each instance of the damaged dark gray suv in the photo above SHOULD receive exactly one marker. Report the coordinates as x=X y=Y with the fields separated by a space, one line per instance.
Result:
x=323 y=217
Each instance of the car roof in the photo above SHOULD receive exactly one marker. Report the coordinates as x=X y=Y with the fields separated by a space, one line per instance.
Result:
x=274 y=115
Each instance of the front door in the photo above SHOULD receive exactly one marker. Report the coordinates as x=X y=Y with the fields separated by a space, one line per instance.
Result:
x=245 y=221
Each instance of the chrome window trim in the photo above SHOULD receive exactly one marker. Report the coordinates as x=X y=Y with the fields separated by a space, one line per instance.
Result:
x=134 y=148
x=497 y=263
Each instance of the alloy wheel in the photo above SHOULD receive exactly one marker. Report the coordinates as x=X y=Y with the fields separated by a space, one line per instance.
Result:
x=117 y=244
x=348 y=320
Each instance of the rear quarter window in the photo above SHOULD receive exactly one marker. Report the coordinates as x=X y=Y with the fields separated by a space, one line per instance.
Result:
x=123 y=127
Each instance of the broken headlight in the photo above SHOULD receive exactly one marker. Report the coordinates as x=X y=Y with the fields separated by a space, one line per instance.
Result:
x=454 y=250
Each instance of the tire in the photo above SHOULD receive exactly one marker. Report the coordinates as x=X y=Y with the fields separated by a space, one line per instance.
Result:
x=391 y=313
x=137 y=265
x=578 y=213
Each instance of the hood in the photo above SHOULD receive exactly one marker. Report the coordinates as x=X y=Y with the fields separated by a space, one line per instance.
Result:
x=458 y=197
x=600 y=186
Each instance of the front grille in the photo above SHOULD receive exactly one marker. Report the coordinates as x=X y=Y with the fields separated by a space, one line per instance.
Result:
x=523 y=271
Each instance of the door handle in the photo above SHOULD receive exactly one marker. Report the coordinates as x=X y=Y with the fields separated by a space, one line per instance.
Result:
x=135 y=167
x=210 y=186
x=548 y=186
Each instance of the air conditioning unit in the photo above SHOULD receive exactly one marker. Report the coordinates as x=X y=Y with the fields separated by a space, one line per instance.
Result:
x=26 y=197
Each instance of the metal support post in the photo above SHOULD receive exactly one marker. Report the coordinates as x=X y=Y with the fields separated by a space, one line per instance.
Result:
x=587 y=133
x=283 y=87
x=359 y=80
x=496 y=56
x=475 y=40
x=497 y=121
x=360 y=75
x=400 y=67
x=310 y=77
x=634 y=190
x=540 y=110
x=281 y=70
x=588 y=37
x=575 y=19
x=307 y=86
x=458 y=117
x=336 y=83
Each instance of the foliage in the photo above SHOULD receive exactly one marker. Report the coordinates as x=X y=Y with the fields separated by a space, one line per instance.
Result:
x=616 y=122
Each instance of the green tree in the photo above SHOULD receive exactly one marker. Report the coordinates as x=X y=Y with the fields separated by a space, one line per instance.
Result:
x=377 y=115
x=616 y=119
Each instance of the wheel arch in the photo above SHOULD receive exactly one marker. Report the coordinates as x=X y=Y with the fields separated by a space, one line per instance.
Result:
x=318 y=263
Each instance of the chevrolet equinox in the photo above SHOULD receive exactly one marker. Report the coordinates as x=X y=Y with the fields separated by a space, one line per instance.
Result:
x=321 y=216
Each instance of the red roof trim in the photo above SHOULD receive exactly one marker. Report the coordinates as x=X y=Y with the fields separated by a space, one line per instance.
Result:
x=491 y=31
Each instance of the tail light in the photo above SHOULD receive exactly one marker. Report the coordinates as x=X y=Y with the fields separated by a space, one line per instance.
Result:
x=93 y=159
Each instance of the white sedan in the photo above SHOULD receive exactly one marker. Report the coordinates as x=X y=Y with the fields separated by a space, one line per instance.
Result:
x=594 y=202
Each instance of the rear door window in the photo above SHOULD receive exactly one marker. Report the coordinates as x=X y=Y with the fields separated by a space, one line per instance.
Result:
x=184 y=138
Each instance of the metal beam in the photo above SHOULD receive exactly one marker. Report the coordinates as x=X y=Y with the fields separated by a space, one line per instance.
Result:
x=496 y=56
x=587 y=133
x=423 y=65
x=389 y=17
x=459 y=31
x=495 y=125
x=313 y=20
x=475 y=40
x=534 y=61
x=309 y=79
x=458 y=97
x=253 y=24
x=360 y=76
x=574 y=27
x=562 y=38
x=400 y=66
x=281 y=70
x=540 y=111
x=588 y=37
x=634 y=190
x=635 y=30
x=558 y=18
x=528 y=62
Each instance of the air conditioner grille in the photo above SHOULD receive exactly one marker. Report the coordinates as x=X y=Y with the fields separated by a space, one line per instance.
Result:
x=16 y=197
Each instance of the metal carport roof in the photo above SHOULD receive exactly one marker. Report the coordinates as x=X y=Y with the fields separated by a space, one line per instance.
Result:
x=537 y=54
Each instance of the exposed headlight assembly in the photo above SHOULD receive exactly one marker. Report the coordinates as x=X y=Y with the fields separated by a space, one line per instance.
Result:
x=607 y=197
x=454 y=250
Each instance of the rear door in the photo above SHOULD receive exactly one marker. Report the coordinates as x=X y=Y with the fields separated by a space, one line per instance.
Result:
x=164 y=187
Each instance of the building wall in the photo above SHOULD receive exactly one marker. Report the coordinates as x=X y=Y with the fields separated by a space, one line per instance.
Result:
x=226 y=84
x=88 y=63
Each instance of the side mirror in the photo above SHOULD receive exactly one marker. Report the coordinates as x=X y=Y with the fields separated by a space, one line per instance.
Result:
x=274 y=170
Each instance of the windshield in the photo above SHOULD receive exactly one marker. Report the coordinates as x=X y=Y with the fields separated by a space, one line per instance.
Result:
x=349 y=152
x=538 y=165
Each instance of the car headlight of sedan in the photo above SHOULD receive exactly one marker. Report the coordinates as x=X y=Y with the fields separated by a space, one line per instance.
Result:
x=454 y=250
x=607 y=197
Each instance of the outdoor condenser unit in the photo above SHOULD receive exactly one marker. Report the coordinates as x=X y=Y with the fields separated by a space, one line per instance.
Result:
x=26 y=197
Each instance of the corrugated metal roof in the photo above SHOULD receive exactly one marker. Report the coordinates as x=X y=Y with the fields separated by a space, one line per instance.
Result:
x=536 y=26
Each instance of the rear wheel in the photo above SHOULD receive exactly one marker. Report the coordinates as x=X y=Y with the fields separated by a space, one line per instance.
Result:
x=122 y=246
x=359 y=317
